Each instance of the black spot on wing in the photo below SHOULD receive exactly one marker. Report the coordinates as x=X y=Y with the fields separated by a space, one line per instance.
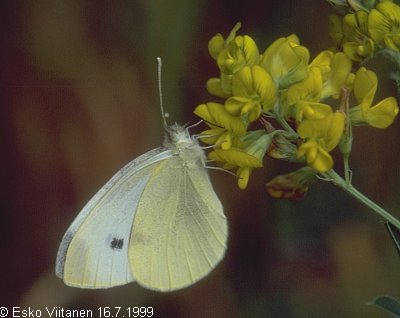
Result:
x=117 y=243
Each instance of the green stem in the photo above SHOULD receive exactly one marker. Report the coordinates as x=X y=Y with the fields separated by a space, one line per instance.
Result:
x=346 y=169
x=339 y=181
x=286 y=126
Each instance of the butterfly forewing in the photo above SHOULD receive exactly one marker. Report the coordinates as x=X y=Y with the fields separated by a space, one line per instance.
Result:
x=94 y=250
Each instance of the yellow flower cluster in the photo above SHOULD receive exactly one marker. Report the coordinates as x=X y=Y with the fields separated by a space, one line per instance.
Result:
x=282 y=86
x=362 y=33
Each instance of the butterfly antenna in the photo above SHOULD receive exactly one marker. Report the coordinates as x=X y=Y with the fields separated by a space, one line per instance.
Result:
x=159 y=66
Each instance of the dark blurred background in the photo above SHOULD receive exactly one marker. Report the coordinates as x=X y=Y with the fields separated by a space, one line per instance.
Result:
x=79 y=100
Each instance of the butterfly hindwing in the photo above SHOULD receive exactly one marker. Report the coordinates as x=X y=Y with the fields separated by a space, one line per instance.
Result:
x=180 y=232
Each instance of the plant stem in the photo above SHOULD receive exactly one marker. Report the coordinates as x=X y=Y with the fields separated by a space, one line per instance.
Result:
x=286 y=126
x=339 y=181
x=346 y=169
x=347 y=140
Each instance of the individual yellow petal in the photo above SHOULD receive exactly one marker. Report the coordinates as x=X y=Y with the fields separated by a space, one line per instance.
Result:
x=216 y=45
x=392 y=41
x=248 y=48
x=264 y=86
x=251 y=111
x=364 y=87
x=306 y=146
x=203 y=112
x=333 y=132
x=211 y=136
x=217 y=115
x=378 y=26
x=382 y=114
x=322 y=162
x=242 y=82
x=224 y=140
x=214 y=87
x=235 y=157
x=390 y=10
x=244 y=174
x=311 y=153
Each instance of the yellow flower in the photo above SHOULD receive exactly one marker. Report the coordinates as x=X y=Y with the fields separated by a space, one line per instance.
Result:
x=245 y=156
x=320 y=137
x=336 y=31
x=241 y=51
x=231 y=55
x=234 y=52
x=253 y=90
x=302 y=99
x=286 y=61
x=225 y=128
x=335 y=69
x=358 y=45
x=380 y=115
x=217 y=43
x=384 y=25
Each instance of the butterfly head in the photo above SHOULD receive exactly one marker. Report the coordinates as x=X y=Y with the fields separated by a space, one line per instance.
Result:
x=178 y=135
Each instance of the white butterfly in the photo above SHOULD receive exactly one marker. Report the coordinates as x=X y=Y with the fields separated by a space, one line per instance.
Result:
x=157 y=221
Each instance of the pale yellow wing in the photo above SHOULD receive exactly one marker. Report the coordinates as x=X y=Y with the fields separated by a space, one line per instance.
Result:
x=180 y=231
x=94 y=250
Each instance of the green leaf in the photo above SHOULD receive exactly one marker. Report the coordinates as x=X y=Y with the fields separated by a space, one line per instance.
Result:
x=388 y=304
